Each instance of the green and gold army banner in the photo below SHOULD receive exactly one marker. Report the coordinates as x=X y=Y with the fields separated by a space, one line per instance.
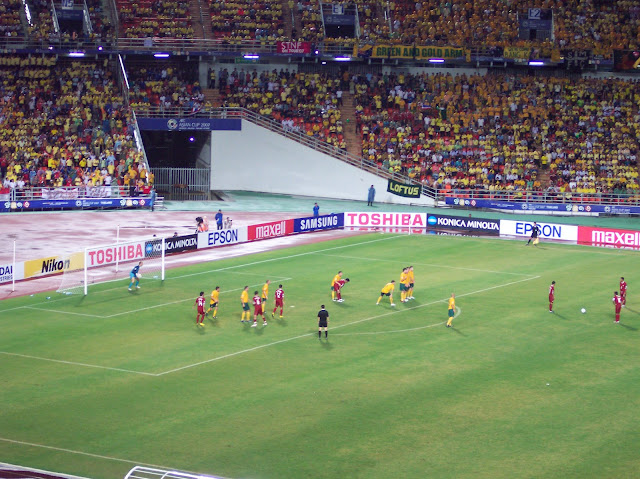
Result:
x=411 y=52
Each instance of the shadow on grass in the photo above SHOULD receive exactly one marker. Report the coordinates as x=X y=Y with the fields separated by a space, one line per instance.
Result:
x=632 y=310
x=630 y=328
x=326 y=344
x=458 y=331
x=559 y=315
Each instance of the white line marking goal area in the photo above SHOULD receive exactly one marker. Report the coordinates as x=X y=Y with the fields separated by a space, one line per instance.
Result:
x=280 y=341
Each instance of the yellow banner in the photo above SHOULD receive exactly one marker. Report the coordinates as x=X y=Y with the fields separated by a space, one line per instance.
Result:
x=517 y=53
x=409 y=52
x=53 y=265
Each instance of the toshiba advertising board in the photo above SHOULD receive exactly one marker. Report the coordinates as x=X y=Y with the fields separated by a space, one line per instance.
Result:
x=386 y=220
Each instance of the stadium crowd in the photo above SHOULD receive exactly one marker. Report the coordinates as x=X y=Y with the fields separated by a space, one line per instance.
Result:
x=64 y=123
x=247 y=20
x=155 y=18
x=165 y=86
x=497 y=131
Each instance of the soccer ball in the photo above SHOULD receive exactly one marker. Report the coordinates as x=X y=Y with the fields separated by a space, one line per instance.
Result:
x=138 y=275
x=583 y=310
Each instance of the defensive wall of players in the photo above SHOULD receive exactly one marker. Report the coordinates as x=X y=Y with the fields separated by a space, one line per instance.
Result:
x=412 y=223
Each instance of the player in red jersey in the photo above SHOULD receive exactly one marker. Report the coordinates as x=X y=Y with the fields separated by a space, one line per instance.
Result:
x=623 y=291
x=200 y=302
x=617 y=302
x=552 y=292
x=279 y=299
x=337 y=286
x=257 y=310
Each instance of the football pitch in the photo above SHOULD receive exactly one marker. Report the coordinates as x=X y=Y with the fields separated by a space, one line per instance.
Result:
x=95 y=385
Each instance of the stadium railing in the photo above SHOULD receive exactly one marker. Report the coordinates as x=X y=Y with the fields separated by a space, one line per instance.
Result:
x=69 y=192
x=526 y=196
x=276 y=127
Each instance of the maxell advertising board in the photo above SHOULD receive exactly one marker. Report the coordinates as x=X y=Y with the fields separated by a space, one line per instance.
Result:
x=609 y=237
x=175 y=244
x=548 y=230
x=484 y=226
x=384 y=220
x=209 y=239
x=318 y=223
x=270 y=230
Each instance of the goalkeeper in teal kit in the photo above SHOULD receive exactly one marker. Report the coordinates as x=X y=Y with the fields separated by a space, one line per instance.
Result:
x=135 y=276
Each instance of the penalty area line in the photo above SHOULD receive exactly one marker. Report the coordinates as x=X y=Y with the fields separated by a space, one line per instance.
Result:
x=73 y=363
x=81 y=453
x=409 y=330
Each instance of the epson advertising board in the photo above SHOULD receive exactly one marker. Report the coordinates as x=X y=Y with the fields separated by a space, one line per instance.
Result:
x=547 y=230
x=209 y=239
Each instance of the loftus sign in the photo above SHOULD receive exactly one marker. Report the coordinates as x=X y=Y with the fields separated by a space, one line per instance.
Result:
x=270 y=230
x=547 y=230
x=611 y=238
x=113 y=254
x=400 y=189
x=209 y=239
x=317 y=223
x=382 y=220
x=491 y=227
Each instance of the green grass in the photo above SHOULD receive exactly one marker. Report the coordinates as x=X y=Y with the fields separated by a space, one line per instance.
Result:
x=392 y=393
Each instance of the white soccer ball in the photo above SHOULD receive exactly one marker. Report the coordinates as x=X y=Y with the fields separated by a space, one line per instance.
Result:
x=583 y=310
x=139 y=275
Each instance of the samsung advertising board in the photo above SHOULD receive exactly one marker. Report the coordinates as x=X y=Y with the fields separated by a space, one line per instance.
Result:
x=548 y=230
x=455 y=223
x=318 y=223
x=209 y=239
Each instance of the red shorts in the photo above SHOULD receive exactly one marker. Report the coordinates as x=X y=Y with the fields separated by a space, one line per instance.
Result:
x=201 y=311
x=257 y=309
x=551 y=298
x=279 y=303
x=618 y=308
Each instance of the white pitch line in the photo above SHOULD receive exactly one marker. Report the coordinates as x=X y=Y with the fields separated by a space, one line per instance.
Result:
x=72 y=451
x=63 y=312
x=373 y=333
x=73 y=363
x=218 y=358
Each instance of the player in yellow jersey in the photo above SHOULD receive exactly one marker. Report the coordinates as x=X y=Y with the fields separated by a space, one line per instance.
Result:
x=411 y=279
x=213 y=303
x=387 y=290
x=244 y=301
x=404 y=285
x=452 y=309
x=265 y=294
x=337 y=277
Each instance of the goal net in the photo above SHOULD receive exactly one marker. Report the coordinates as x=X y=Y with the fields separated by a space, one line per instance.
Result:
x=101 y=264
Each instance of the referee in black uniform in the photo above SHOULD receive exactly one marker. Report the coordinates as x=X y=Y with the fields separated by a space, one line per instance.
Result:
x=323 y=322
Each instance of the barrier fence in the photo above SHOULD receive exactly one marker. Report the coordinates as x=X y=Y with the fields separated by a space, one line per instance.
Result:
x=406 y=222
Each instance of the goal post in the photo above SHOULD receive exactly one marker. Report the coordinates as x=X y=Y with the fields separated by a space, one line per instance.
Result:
x=101 y=264
x=144 y=472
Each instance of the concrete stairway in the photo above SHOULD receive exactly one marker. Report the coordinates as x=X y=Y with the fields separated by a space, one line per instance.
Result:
x=200 y=27
x=212 y=96
x=348 y=115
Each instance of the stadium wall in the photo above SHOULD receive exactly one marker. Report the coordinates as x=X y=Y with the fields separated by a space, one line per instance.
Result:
x=256 y=159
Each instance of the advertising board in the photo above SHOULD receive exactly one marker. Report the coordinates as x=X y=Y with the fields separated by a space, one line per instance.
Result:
x=548 y=230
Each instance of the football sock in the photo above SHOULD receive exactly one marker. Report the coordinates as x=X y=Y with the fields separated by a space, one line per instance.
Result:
x=326 y=334
x=319 y=334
